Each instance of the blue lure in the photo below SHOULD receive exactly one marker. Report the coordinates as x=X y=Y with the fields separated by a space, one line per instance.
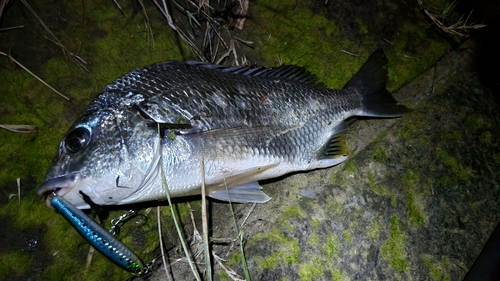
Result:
x=98 y=237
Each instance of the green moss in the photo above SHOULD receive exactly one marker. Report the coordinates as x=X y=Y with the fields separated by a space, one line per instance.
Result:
x=315 y=222
x=486 y=138
x=293 y=212
x=337 y=275
x=331 y=248
x=408 y=60
x=416 y=215
x=362 y=26
x=14 y=263
x=349 y=167
x=222 y=275
x=439 y=270
x=380 y=154
x=415 y=212
x=374 y=186
x=374 y=231
x=393 y=249
x=278 y=41
x=347 y=236
x=288 y=253
x=313 y=240
x=334 y=207
x=311 y=270
x=476 y=122
x=235 y=259
x=458 y=169
x=409 y=179
x=378 y=189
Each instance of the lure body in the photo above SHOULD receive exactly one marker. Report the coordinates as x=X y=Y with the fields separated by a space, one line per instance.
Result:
x=98 y=237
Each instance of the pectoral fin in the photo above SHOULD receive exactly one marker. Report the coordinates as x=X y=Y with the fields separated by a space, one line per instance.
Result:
x=246 y=193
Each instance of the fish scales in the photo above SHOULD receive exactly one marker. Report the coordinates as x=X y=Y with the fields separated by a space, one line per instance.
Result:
x=224 y=100
x=244 y=124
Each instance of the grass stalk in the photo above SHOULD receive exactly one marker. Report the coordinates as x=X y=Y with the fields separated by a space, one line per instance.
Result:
x=162 y=250
x=173 y=211
x=240 y=238
x=33 y=74
x=208 y=261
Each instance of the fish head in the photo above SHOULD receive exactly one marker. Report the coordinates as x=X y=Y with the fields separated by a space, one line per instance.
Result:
x=102 y=158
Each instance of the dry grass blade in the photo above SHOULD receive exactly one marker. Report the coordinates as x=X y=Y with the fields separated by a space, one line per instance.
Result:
x=246 y=42
x=23 y=129
x=349 y=53
x=88 y=263
x=3 y=4
x=33 y=74
x=148 y=25
x=242 y=12
x=208 y=262
x=460 y=28
x=194 y=270
x=118 y=5
x=232 y=274
x=160 y=237
x=164 y=10
x=74 y=57
x=19 y=191
x=12 y=27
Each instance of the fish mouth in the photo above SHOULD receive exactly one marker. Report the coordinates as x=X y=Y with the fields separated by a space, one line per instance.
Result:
x=60 y=186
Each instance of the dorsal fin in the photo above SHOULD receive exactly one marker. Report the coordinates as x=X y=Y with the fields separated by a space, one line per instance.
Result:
x=285 y=72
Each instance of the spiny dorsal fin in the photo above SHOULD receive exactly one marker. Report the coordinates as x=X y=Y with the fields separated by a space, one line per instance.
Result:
x=285 y=72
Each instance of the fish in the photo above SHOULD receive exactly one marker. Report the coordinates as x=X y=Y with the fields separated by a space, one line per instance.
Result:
x=149 y=133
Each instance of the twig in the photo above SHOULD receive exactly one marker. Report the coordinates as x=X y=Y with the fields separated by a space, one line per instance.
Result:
x=349 y=53
x=88 y=262
x=459 y=28
x=118 y=5
x=10 y=28
x=164 y=10
x=3 y=3
x=246 y=42
x=232 y=274
x=23 y=129
x=148 y=25
x=387 y=41
x=19 y=191
x=248 y=215
x=33 y=74
x=55 y=39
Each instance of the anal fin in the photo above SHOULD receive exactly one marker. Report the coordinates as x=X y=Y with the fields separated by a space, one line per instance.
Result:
x=335 y=147
x=245 y=193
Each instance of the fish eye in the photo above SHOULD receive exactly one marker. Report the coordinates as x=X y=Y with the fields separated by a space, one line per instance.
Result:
x=77 y=139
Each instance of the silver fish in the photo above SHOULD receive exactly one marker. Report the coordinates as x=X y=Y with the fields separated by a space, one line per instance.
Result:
x=245 y=123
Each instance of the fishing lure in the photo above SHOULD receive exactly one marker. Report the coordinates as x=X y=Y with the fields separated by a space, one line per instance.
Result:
x=98 y=237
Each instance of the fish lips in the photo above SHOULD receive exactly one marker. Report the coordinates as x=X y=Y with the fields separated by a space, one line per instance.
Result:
x=60 y=185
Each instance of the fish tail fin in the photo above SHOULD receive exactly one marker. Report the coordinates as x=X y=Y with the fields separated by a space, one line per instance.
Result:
x=370 y=82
